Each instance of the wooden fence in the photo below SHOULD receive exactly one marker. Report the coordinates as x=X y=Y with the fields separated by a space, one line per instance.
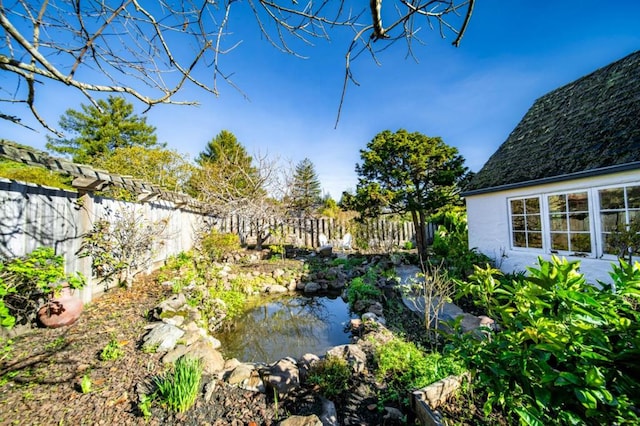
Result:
x=33 y=216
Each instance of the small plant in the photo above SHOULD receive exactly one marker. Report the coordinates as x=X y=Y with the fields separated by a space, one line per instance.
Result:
x=331 y=375
x=111 y=351
x=405 y=367
x=144 y=406
x=179 y=388
x=85 y=384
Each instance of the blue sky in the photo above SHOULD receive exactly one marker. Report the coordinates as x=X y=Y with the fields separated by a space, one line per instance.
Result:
x=471 y=96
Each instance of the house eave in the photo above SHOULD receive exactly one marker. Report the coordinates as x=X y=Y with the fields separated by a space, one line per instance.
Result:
x=553 y=179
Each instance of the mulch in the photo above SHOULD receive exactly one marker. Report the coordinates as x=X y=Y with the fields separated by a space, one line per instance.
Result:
x=40 y=380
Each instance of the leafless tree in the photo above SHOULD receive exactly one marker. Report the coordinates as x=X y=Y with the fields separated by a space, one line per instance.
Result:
x=252 y=192
x=151 y=50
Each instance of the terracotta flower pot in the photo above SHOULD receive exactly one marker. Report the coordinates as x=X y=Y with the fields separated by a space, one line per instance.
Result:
x=61 y=310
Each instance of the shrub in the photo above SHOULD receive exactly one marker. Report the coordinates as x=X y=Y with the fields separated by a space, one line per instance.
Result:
x=331 y=375
x=26 y=281
x=359 y=289
x=178 y=389
x=215 y=244
x=567 y=352
x=404 y=368
x=121 y=246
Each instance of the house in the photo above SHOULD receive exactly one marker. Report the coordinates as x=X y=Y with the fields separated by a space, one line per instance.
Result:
x=566 y=178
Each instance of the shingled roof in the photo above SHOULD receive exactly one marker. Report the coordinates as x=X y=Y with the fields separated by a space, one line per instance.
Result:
x=588 y=127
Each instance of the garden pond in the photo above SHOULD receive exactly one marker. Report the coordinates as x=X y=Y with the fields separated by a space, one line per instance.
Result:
x=291 y=325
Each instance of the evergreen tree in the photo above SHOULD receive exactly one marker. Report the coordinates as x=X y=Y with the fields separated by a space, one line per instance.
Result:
x=406 y=172
x=305 y=188
x=99 y=131
x=226 y=159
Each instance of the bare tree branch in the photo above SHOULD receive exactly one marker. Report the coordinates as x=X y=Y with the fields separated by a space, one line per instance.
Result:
x=151 y=52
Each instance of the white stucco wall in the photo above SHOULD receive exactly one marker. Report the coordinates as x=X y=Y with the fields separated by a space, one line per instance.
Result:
x=488 y=220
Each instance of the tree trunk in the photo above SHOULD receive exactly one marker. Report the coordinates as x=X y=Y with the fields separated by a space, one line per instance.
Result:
x=418 y=219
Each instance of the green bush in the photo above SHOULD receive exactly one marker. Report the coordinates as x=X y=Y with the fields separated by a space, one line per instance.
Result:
x=404 y=368
x=360 y=289
x=568 y=350
x=178 y=389
x=451 y=245
x=331 y=375
x=26 y=281
x=215 y=244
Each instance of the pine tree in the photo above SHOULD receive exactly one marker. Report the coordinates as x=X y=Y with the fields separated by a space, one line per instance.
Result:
x=100 y=130
x=305 y=188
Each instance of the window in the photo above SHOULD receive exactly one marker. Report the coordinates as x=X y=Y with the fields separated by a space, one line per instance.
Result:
x=526 y=226
x=569 y=222
x=619 y=207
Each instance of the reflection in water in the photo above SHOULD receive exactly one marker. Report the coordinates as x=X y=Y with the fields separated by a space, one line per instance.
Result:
x=287 y=326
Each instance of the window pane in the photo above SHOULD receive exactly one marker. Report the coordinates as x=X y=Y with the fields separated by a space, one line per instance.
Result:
x=608 y=244
x=519 y=239
x=517 y=206
x=557 y=203
x=581 y=242
x=579 y=222
x=634 y=216
x=535 y=239
x=633 y=197
x=611 y=198
x=611 y=220
x=559 y=241
x=533 y=205
x=558 y=222
x=518 y=223
x=533 y=223
x=578 y=202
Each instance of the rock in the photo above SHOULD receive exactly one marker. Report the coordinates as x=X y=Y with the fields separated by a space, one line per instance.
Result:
x=275 y=288
x=277 y=273
x=209 y=389
x=312 y=287
x=311 y=420
x=172 y=304
x=305 y=363
x=283 y=376
x=392 y=413
x=175 y=353
x=163 y=337
x=376 y=308
x=325 y=251
x=370 y=316
x=245 y=376
x=176 y=320
x=353 y=354
x=329 y=416
x=293 y=285
x=212 y=360
x=232 y=363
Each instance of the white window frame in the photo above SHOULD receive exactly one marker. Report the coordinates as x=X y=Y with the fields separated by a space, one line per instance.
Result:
x=590 y=211
x=595 y=223
x=542 y=224
x=596 y=190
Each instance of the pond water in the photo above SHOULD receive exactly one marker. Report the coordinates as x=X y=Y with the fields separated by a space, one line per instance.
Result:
x=287 y=326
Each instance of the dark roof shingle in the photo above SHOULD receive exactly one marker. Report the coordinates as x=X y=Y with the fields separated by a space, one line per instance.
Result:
x=589 y=124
